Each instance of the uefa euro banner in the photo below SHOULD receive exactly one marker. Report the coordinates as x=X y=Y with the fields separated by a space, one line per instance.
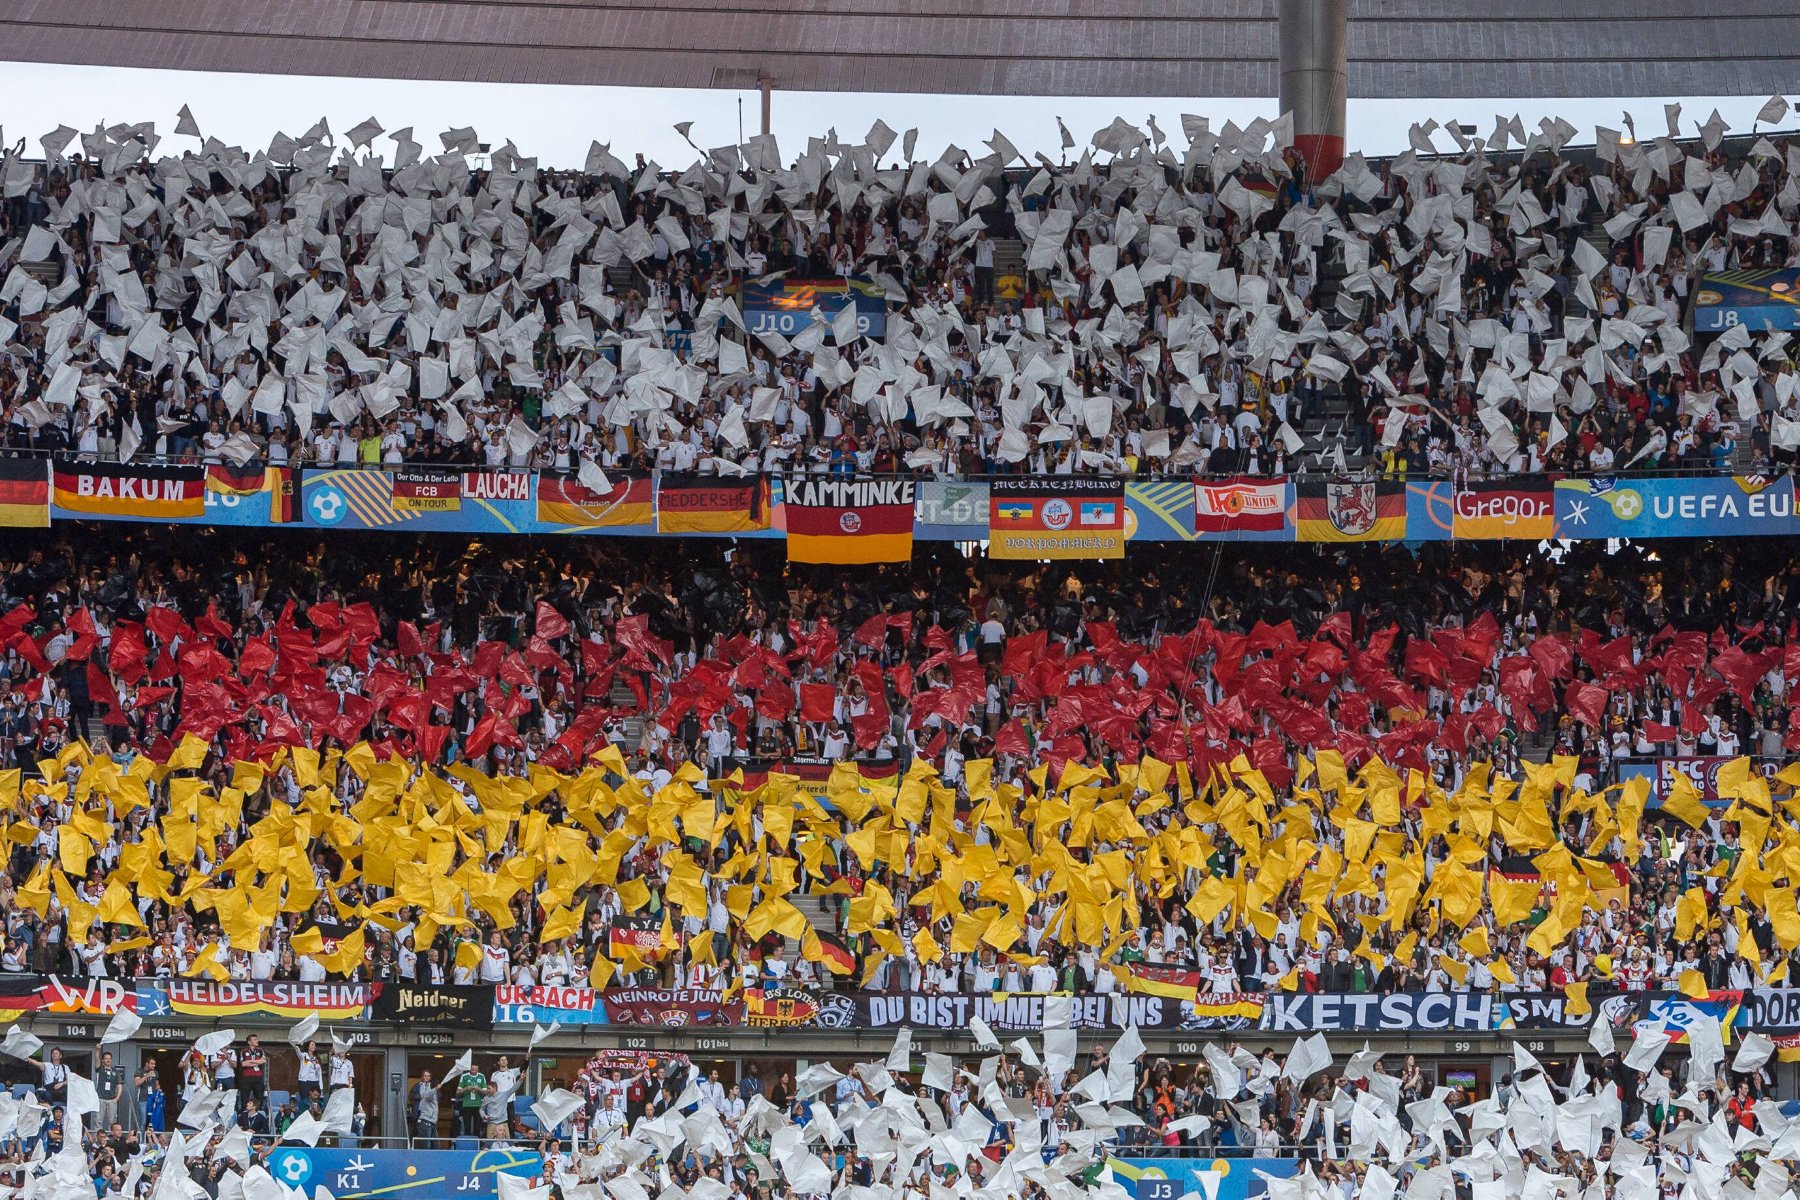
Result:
x=711 y=503
x=785 y=306
x=1758 y=300
x=1350 y=511
x=1690 y=506
x=1250 y=509
x=849 y=520
x=127 y=491
x=1056 y=516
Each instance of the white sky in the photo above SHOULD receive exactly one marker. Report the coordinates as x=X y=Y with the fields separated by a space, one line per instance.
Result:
x=556 y=123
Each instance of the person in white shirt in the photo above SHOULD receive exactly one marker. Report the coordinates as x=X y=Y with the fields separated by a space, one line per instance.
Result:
x=496 y=960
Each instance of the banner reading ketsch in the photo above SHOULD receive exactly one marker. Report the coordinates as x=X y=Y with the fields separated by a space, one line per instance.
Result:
x=1056 y=517
x=1350 y=511
x=24 y=493
x=711 y=504
x=1243 y=509
x=1684 y=506
x=460 y=1008
x=849 y=520
x=127 y=491
x=290 y=1001
x=671 y=1008
x=427 y=489
x=567 y=503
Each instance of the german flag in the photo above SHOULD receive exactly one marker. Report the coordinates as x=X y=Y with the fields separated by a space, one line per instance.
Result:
x=236 y=481
x=565 y=501
x=284 y=495
x=24 y=493
x=709 y=504
x=1350 y=511
x=849 y=520
x=834 y=953
x=1174 y=983
x=128 y=490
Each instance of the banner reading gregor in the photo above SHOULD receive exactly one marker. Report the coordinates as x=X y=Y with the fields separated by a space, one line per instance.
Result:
x=1056 y=517
x=850 y=520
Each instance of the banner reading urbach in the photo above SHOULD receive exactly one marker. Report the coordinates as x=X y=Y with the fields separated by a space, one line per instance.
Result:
x=1056 y=517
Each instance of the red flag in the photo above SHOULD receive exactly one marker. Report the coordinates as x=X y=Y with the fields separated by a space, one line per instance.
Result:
x=1586 y=703
x=550 y=623
x=817 y=701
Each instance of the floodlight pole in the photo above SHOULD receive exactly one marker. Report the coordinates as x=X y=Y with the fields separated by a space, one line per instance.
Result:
x=768 y=87
x=1314 y=78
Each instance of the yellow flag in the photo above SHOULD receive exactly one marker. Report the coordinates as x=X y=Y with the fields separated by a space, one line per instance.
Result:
x=1683 y=802
x=1693 y=985
x=1575 y=994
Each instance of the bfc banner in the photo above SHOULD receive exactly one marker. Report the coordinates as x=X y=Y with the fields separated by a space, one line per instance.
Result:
x=1677 y=506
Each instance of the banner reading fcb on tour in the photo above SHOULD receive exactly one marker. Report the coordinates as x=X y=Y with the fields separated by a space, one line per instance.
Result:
x=565 y=500
x=1241 y=506
x=849 y=520
x=427 y=489
x=1350 y=511
x=1504 y=509
x=1056 y=516
x=290 y=1001
x=710 y=504
x=128 y=491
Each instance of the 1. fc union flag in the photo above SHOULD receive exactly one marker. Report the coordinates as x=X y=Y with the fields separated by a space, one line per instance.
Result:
x=1349 y=511
x=1056 y=516
x=849 y=520
x=1240 y=506
x=565 y=500
x=129 y=490
x=711 y=504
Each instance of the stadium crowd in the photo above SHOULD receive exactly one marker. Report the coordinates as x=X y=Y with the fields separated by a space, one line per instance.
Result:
x=1413 y=692
x=1505 y=304
x=1038 y=1119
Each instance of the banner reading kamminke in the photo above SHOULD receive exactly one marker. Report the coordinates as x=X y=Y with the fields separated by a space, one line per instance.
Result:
x=850 y=520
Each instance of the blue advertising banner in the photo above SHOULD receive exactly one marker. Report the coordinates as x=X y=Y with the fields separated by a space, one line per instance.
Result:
x=949 y=511
x=352 y=1174
x=1758 y=300
x=421 y=500
x=785 y=306
x=1684 y=506
x=1169 y=1178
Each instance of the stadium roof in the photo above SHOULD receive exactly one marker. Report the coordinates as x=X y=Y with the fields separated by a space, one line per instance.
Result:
x=1397 y=48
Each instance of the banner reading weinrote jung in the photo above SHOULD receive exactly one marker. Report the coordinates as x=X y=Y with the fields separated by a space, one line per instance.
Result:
x=850 y=520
